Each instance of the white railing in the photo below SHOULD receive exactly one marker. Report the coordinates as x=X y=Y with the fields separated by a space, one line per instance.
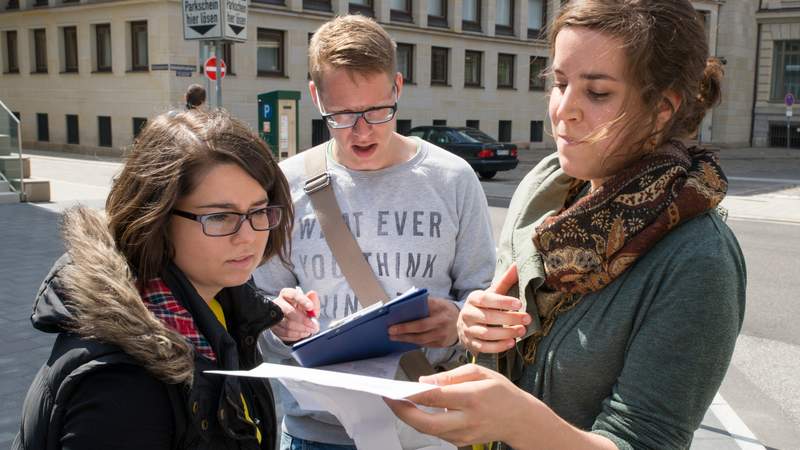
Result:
x=10 y=132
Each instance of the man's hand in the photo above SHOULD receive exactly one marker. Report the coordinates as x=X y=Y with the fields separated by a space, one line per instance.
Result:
x=296 y=323
x=436 y=330
x=489 y=321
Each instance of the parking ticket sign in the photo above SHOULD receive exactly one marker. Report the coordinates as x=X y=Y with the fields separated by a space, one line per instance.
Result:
x=215 y=20
x=235 y=20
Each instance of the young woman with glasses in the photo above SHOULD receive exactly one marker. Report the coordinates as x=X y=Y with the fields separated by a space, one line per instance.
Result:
x=157 y=290
x=619 y=288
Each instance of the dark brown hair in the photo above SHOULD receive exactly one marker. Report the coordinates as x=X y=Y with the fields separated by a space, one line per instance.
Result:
x=195 y=96
x=666 y=49
x=168 y=158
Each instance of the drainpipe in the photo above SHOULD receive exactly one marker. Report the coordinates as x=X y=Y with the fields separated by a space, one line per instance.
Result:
x=755 y=85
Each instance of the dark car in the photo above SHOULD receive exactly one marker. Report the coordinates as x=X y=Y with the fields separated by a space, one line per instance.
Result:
x=482 y=152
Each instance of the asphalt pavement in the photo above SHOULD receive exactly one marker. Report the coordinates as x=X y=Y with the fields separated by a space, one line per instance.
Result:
x=765 y=189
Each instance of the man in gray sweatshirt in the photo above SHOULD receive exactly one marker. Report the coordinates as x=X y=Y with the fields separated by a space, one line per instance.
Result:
x=417 y=211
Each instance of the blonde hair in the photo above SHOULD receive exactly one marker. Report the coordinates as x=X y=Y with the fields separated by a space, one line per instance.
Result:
x=354 y=43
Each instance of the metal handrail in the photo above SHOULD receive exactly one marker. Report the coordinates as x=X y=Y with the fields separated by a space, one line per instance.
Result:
x=19 y=152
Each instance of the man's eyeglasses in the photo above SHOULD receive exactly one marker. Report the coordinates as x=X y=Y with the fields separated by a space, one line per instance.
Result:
x=228 y=223
x=373 y=116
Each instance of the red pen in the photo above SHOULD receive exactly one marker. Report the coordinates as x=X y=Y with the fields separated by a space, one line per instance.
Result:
x=310 y=313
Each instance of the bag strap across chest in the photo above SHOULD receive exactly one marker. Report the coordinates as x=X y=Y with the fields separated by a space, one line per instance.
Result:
x=345 y=249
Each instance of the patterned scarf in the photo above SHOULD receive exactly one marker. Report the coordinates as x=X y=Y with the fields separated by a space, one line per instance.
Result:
x=590 y=243
x=158 y=298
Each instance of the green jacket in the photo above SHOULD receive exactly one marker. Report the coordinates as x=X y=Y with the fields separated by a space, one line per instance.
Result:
x=640 y=361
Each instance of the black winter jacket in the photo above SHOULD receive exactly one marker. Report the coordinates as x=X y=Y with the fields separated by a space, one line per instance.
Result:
x=93 y=394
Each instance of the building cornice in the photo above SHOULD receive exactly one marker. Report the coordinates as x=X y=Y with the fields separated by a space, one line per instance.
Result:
x=778 y=10
x=778 y=15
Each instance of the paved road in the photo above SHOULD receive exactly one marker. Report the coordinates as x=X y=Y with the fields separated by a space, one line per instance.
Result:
x=29 y=244
x=762 y=387
x=762 y=384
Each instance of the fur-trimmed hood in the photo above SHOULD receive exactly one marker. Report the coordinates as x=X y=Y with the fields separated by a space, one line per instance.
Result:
x=91 y=292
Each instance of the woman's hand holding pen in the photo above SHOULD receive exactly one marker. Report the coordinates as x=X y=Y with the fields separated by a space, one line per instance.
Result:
x=490 y=320
x=299 y=310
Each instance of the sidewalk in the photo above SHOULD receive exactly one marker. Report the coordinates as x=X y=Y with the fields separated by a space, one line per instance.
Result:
x=782 y=205
x=30 y=243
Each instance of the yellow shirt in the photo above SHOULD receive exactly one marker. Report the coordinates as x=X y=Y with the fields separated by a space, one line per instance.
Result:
x=216 y=308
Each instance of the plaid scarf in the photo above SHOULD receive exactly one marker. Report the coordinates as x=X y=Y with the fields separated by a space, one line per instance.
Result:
x=158 y=298
x=594 y=240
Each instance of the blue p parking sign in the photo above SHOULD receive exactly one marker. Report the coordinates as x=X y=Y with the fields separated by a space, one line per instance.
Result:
x=789 y=100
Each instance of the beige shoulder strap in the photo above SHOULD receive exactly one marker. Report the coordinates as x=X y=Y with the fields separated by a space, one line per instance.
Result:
x=343 y=245
x=346 y=250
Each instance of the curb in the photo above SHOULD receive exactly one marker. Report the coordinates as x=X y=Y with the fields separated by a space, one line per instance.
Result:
x=764 y=219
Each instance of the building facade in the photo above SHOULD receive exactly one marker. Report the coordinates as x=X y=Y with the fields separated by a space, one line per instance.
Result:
x=84 y=75
x=777 y=73
x=732 y=38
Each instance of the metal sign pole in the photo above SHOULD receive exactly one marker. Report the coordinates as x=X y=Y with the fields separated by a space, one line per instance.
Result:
x=206 y=51
x=218 y=58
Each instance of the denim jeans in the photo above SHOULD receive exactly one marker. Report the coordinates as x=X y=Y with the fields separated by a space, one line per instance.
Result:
x=289 y=442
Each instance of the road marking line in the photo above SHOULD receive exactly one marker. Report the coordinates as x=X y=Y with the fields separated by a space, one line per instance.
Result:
x=739 y=432
x=766 y=180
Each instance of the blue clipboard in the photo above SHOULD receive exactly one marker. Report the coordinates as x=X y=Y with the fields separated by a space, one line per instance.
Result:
x=364 y=334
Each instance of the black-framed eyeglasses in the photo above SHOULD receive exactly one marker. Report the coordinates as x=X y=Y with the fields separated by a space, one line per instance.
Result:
x=373 y=116
x=228 y=223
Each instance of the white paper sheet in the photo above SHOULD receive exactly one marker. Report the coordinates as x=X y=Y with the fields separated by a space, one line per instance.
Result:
x=383 y=367
x=352 y=397
x=360 y=383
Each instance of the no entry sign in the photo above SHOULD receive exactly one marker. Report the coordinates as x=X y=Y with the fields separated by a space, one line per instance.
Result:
x=211 y=68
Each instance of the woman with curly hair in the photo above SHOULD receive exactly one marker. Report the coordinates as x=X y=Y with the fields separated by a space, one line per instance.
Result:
x=619 y=290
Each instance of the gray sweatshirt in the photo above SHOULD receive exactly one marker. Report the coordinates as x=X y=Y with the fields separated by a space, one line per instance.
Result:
x=423 y=223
